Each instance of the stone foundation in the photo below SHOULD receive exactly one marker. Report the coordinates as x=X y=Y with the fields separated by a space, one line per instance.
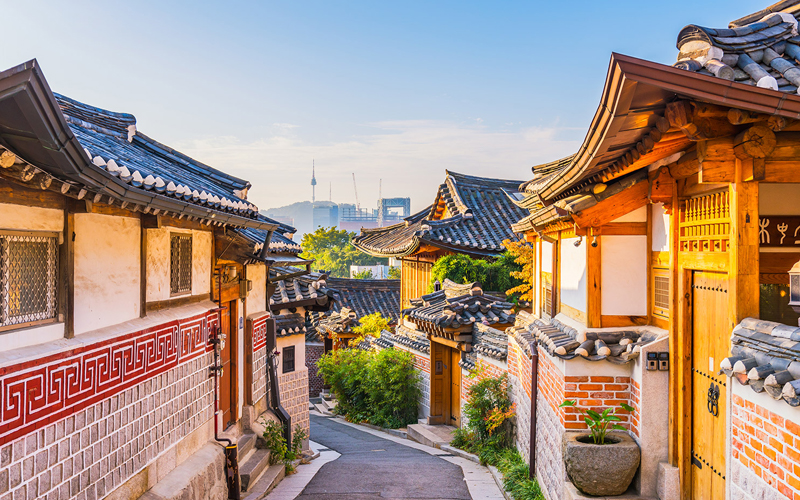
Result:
x=294 y=396
x=314 y=351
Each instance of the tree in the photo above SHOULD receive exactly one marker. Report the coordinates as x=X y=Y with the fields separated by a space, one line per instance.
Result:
x=366 y=274
x=523 y=256
x=333 y=252
x=394 y=273
x=499 y=275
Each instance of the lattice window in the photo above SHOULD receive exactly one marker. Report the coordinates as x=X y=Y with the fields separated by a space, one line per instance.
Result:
x=661 y=292
x=705 y=223
x=547 y=293
x=288 y=359
x=28 y=278
x=180 y=268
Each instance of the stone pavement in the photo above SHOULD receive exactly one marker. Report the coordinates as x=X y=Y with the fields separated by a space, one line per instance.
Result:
x=374 y=465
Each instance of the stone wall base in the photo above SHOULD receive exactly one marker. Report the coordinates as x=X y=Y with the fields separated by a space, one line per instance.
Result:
x=200 y=477
x=746 y=485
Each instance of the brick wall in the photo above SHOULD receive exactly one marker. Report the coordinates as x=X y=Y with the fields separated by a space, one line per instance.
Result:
x=86 y=420
x=595 y=393
x=484 y=369
x=315 y=383
x=636 y=398
x=422 y=363
x=294 y=396
x=550 y=428
x=765 y=452
x=519 y=375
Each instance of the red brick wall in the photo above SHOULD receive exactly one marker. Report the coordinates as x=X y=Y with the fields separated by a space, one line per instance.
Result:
x=315 y=383
x=519 y=364
x=636 y=398
x=551 y=383
x=484 y=370
x=768 y=445
x=596 y=393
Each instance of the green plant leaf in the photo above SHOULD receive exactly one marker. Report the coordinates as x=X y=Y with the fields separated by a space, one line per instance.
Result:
x=613 y=418
x=619 y=427
x=593 y=414
x=567 y=403
x=626 y=407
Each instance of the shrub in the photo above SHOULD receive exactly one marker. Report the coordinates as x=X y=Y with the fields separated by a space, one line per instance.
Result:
x=499 y=275
x=489 y=411
x=376 y=387
x=279 y=450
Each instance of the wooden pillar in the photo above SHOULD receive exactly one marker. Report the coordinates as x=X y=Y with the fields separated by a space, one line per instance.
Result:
x=676 y=390
x=142 y=270
x=743 y=290
x=66 y=256
x=594 y=302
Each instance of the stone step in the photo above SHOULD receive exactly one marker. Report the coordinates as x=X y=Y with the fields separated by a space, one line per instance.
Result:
x=431 y=435
x=253 y=467
x=329 y=404
x=246 y=444
x=267 y=482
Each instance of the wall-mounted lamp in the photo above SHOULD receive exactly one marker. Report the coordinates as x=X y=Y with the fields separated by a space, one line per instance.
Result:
x=231 y=270
x=794 y=288
x=594 y=241
x=578 y=241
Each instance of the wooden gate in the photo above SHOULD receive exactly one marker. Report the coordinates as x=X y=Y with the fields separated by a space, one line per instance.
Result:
x=440 y=383
x=455 y=388
x=227 y=383
x=710 y=345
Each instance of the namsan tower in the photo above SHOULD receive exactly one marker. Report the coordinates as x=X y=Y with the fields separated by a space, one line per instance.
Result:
x=313 y=183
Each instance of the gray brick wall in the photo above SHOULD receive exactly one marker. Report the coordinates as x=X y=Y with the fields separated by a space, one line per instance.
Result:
x=294 y=396
x=88 y=455
x=549 y=462
x=522 y=436
x=746 y=485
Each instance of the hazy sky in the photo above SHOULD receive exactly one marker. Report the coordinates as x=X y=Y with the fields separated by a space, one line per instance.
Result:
x=398 y=91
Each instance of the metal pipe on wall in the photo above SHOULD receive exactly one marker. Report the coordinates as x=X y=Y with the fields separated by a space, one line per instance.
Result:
x=534 y=397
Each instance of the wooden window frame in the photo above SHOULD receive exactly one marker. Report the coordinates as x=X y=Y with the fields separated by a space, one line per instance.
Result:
x=284 y=364
x=190 y=236
x=53 y=263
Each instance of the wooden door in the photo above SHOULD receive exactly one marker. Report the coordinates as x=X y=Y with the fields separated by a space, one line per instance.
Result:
x=440 y=384
x=455 y=388
x=710 y=345
x=227 y=383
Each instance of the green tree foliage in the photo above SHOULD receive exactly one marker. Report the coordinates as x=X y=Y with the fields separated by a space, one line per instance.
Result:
x=394 y=273
x=366 y=274
x=379 y=387
x=371 y=324
x=333 y=252
x=493 y=275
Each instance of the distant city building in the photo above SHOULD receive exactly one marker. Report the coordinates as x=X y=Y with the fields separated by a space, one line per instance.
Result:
x=390 y=211
x=379 y=272
x=283 y=219
x=326 y=215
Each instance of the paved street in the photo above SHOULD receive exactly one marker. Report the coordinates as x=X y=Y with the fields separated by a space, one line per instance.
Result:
x=372 y=466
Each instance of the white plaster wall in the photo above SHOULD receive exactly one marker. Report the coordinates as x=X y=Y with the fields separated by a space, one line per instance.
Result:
x=778 y=199
x=660 y=228
x=107 y=270
x=158 y=258
x=547 y=257
x=624 y=275
x=30 y=218
x=299 y=341
x=573 y=274
x=24 y=337
x=257 y=297
x=537 y=280
x=638 y=215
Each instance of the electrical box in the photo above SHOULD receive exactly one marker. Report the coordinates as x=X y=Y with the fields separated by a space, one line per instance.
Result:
x=652 y=361
x=244 y=287
x=663 y=361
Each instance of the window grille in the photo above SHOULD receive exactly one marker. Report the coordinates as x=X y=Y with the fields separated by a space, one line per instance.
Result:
x=547 y=293
x=288 y=359
x=180 y=278
x=28 y=278
x=661 y=292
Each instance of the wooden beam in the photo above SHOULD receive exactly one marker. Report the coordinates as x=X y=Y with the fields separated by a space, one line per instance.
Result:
x=622 y=229
x=614 y=207
x=698 y=120
x=594 y=298
x=744 y=289
x=686 y=166
x=16 y=194
x=69 y=272
x=142 y=270
x=609 y=321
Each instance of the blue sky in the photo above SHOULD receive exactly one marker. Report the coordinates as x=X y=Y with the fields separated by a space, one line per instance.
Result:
x=398 y=91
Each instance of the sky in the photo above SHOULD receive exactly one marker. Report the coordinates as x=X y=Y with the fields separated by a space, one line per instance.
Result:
x=395 y=92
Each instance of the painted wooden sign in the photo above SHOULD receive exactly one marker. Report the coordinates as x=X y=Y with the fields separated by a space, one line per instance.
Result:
x=779 y=231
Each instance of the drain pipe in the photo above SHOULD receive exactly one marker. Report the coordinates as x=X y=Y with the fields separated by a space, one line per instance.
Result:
x=217 y=339
x=272 y=377
x=534 y=397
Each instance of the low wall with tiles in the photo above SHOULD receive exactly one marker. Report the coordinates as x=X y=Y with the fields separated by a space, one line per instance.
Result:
x=422 y=363
x=550 y=420
x=314 y=351
x=294 y=396
x=259 y=353
x=100 y=410
x=765 y=451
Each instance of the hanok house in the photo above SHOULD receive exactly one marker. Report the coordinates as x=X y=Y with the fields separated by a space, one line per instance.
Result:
x=112 y=247
x=354 y=299
x=677 y=218
x=447 y=331
x=470 y=215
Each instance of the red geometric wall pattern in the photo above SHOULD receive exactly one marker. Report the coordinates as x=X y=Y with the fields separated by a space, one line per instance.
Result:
x=44 y=390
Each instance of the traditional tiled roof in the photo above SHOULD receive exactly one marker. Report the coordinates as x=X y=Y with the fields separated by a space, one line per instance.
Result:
x=311 y=289
x=367 y=296
x=479 y=212
x=405 y=337
x=563 y=341
x=339 y=322
x=281 y=241
x=762 y=49
x=489 y=342
x=766 y=357
x=289 y=324
x=112 y=143
x=313 y=318
x=443 y=311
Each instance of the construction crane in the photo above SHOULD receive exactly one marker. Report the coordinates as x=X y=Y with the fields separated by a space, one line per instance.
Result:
x=355 y=188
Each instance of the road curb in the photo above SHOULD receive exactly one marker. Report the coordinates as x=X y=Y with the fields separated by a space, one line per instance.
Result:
x=462 y=454
x=498 y=478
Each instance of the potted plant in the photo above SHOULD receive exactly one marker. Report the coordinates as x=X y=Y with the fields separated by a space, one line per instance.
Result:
x=600 y=463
